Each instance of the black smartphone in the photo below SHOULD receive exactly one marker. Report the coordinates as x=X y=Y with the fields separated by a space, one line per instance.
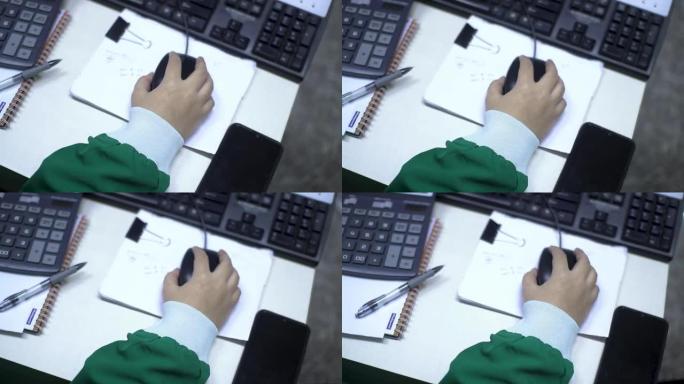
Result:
x=274 y=351
x=598 y=161
x=634 y=348
x=245 y=161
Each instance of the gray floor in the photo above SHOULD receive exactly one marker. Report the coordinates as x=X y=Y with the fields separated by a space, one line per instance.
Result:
x=323 y=360
x=673 y=361
x=659 y=137
x=312 y=145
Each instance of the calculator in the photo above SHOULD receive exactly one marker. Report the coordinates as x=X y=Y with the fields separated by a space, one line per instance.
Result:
x=24 y=28
x=371 y=32
x=383 y=234
x=35 y=230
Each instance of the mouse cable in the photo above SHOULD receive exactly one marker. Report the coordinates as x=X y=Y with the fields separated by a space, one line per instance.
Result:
x=201 y=216
x=534 y=33
x=555 y=220
x=187 y=34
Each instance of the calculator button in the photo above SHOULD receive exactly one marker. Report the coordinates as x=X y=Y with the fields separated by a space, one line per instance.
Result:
x=26 y=15
x=45 y=7
x=4 y=217
x=40 y=18
x=50 y=211
x=21 y=26
x=400 y=227
x=26 y=232
x=22 y=243
x=63 y=213
x=375 y=25
x=346 y=257
x=18 y=254
x=60 y=224
x=385 y=38
x=375 y=260
x=17 y=219
x=52 y=247
x=49 y=259
x=370 y=36
x=367 y=235
x=57 y=235
x=381 y=236
x=406 y=264
x=36 y=29
x=363 y=247
x=13 y=42
x=375 y=62
x=36 y=251
x=397 y=238
x=392 y=258
x=408 y=252
x=7 y=241
x=359 y=259
x=379 y=50
x=4 y=253
x=415 y=228
x=24 y=53
x=378 y=248
x=412 y=239
x=12 y=229
x=30 y=42
x=46 y=222
x=42 y=233
x=363 y=54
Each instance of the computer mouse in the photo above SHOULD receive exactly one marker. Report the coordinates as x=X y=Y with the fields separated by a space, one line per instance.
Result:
x=188 y=264
x=187 y=68
x=539 y=69
x=546 y=264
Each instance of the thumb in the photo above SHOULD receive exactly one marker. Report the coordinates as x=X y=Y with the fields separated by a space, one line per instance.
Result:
x=170 y=284
x=529 y=281
x=495 y=89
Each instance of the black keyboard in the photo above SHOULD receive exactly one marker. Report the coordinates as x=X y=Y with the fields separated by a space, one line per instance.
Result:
x=35 y=230
x=383 y=235
x=292 y=225
x=279 y=37
x=646 y=223
x=624 y=37
x=25 y=26
x=370 y=35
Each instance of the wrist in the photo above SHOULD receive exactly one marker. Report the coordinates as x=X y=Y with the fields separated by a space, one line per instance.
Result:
x=549 y=324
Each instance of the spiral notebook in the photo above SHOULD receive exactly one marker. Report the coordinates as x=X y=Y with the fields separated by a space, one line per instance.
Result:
x=12 y=98
x=32 y=315
x=392 y=319
x=357 y=115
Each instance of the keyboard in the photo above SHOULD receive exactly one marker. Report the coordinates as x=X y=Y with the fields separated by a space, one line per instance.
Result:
x=25 y=26
x=370 y=35
x=279 y=37
x=292 y=225
x=35 y=230
x=624 y=37
x=646 y=223
x=383 y=235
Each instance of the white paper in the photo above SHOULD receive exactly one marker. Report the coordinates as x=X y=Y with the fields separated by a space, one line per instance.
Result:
x=660 y=7
x=108 y=79
x=317 y=7
x=21 y=316
x=136 y=276
x=355 y=292
x=494 y=277
x=353 y=112
x=460 y=85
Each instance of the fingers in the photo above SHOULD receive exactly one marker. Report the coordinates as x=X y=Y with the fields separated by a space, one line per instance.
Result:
x=143 y=84
x=170 y=283
x=173 y=68
x=551 y=77
x=525 y=72
x=206 y=89
x=560 y=261
x=200 y=75
x=558 y=91
x=529 y=281
x=225 y=266
x=208 y=106
x=236 y=295
x=582 y=265
x=234 y=280
x=201 y=264
x=495 y=89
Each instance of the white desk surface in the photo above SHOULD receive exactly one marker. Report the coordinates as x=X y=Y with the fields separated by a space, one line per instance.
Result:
x=81 y=322
x=404 y=126
x=50 y=118
x=441 y=326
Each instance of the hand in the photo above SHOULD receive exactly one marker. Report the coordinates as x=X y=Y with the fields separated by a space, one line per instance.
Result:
x=536 y=104
x=574 y=291
x=212 y=293
x=182 y=103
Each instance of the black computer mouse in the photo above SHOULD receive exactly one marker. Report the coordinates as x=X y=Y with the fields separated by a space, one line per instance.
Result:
x=546 y=264
x=187 y=68
x=539 y=69
x=188 y=264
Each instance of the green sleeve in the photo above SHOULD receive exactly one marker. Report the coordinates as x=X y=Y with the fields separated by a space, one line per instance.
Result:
x=509 y=358
x=143 y=358
x=462 y=166
x=102 y=165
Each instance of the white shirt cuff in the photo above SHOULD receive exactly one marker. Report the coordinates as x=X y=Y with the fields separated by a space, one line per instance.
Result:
x=508 y=137
x=150 y=135
x=549 y=324
x=188 y=326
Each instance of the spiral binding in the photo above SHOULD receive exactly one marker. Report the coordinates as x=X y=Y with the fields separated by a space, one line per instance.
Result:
x=407 y=310
x=369 y=113
x=54 y=290
x=26 y=84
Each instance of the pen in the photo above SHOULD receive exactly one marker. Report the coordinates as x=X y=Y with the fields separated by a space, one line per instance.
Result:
x=381 y=300
x=373 y=85
x=26 y=294
x=27 y=74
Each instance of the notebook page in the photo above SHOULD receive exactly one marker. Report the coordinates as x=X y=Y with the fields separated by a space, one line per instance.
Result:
x=355 y=292
x=108 y=79
x=461 y=83
x=494 y=277
x=17 y=318
x=137 y=273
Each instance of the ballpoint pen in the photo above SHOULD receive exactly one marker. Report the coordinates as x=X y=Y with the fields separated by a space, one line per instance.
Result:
x=381 y=300
x=27 y=293
x=27 y=74
x=373 y=85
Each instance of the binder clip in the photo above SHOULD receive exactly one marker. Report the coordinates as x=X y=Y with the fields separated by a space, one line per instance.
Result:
x=466 y=36
x=120 y=31
x=493 y=229
x=139 y=227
